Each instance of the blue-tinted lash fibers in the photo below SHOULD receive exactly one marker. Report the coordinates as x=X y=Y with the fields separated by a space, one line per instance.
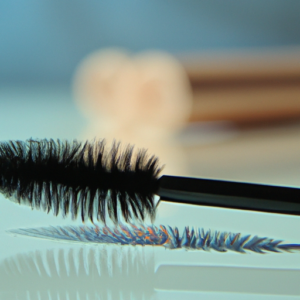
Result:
x=166 y=236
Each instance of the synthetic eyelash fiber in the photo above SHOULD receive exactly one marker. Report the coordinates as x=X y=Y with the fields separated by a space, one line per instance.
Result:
x=73 y=176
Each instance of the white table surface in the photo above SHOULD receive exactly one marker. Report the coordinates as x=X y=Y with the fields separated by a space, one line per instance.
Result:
x=269 y=156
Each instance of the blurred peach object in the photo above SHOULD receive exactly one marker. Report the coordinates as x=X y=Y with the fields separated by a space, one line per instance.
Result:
x=140 y=99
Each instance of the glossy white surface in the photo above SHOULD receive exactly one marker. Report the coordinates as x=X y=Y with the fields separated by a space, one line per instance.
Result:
x=82 y=271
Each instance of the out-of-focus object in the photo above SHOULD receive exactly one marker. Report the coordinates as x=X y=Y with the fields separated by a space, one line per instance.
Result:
x=139 y=99
x=245 y=86
x=146 y=90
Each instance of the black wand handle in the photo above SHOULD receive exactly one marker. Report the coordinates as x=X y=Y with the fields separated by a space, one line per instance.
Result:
x=236 y=195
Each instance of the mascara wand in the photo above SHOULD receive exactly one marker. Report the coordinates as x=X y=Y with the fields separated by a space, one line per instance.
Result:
x=227 y=194
x=85 y=178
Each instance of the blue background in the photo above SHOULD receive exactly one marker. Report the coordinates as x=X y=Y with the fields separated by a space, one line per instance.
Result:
x=43 y=41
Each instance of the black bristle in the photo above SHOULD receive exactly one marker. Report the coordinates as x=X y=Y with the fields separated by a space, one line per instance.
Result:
x=82 y=178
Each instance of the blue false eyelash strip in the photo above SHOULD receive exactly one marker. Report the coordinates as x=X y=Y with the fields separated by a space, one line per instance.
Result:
x=166 y=236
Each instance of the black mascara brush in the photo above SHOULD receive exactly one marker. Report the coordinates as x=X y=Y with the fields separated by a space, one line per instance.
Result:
x=84 y=177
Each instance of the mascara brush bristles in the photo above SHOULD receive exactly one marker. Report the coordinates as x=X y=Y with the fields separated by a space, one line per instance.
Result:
x=84 y=178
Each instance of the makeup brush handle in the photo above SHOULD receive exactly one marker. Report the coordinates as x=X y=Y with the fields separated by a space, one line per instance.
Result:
x=236 y=195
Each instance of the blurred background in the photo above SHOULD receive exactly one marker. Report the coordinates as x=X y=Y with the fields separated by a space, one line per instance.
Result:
x=212 y=88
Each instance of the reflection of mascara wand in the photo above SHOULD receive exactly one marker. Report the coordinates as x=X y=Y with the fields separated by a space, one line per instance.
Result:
x=74 y=176
x=102 y=274
x=91 y=273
